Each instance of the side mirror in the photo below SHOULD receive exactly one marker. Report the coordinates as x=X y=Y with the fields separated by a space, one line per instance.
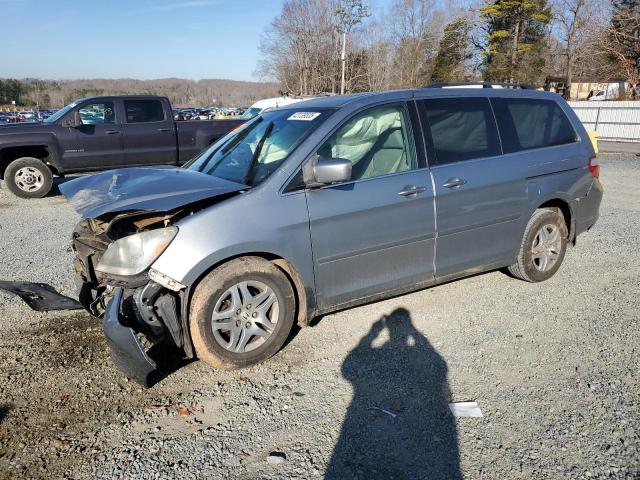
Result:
x=73 y=120
x=330 y=170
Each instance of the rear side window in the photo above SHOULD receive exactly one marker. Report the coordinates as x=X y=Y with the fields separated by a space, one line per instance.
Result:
x=139 y=111
x=528 y=123
x=461 y=129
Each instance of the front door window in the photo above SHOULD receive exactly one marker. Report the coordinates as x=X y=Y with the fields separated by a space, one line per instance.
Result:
x=99 y=113
x=376 y=142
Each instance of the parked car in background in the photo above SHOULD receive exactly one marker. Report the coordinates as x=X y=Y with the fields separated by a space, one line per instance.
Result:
x=598 y=96
x=611 y=91
x=326 y=204
x=269 y=103
x=100 y=133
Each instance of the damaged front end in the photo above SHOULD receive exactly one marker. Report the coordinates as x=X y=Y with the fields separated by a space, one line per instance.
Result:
x=138 y=310
x=130 y=217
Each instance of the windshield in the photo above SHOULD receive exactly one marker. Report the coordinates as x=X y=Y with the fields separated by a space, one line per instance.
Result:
x=250 y=113
x=252 y=153
x=60 y=113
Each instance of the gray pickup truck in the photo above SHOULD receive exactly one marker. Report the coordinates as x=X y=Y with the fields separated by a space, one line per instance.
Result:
x=100 y=133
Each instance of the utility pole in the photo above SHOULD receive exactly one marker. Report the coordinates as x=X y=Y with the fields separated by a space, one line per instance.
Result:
x=344 y=60
x=348 y=14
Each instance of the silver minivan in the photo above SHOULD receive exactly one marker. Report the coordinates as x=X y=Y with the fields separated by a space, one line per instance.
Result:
x=326 y=204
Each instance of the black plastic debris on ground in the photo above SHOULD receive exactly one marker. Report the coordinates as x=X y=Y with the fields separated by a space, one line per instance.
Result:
x=40 y=296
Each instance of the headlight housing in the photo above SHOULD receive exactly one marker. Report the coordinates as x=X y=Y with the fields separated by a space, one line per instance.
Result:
x=134 y=254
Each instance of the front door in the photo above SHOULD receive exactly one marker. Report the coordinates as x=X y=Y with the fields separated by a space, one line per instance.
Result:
x=97 y=143
x=375 y=233
x=481 y=195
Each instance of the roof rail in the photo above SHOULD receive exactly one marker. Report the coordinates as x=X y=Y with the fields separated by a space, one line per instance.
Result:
x=511 y=85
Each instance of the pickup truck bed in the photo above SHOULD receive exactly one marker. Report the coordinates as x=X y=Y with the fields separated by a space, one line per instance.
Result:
x=195 y=135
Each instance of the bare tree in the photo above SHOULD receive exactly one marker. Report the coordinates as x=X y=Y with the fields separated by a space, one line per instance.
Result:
x=417 y=28
x=299 y=48
x=579 y=34
x=379 y=50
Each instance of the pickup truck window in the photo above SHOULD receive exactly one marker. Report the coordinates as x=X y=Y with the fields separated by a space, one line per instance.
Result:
x=143 y=111
x=254 y=152
x=98 y=113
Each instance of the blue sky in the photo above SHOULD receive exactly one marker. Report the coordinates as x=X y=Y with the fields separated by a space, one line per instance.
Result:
x=145 y=39
x=136 y=38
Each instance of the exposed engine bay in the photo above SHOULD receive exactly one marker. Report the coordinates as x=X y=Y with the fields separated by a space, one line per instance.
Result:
x=149 y=307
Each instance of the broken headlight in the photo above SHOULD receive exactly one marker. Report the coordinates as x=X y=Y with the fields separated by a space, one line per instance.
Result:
x=133 y=254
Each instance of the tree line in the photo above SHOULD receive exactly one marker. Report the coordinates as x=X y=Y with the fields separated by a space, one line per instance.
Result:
x=416 y=42
x=181 y=92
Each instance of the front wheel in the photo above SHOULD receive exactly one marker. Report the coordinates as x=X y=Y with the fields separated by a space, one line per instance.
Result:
x=543 y=247
x=28 y=177
x=241 y=313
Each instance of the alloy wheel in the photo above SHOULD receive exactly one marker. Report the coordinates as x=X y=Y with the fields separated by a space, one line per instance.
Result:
x=245 y=316
x=546 y=248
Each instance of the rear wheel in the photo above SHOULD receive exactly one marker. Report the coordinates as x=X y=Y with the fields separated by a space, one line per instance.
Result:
x=28 y=177
x=543 y=247
x=241 y=313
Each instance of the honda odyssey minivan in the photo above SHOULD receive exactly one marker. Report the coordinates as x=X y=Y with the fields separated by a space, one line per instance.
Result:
x=326 y=204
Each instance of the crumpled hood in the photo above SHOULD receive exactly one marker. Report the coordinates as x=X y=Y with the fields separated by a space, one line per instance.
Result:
x=152 y=189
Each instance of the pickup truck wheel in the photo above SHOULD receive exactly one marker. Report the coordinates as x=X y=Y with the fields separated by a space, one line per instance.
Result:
x=543 y=247
x=241 y=313
x=28 y=177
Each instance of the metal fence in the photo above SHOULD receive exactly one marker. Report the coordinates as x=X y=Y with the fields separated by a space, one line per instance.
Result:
x=618 y=121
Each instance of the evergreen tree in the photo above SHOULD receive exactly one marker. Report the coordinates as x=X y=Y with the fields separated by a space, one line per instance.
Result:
x=453 y=52
x=516 y=31
x=625 y=37
x=10 y=90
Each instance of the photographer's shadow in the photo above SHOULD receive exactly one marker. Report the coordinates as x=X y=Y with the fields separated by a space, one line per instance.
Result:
x=404 y=375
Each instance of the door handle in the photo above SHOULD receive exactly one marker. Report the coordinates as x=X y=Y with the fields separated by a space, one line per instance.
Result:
x=454 y=182
x=112 y=132
x=410 y=190
x=164 y=129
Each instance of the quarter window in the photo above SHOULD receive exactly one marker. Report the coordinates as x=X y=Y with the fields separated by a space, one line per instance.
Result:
x=99 y=113
x=141 y=111
x=527 y=123
x=461 y=129
x=376 y=142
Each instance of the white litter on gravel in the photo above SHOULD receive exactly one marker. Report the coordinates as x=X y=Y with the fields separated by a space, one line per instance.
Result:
x=391 y=414
x=465 y=409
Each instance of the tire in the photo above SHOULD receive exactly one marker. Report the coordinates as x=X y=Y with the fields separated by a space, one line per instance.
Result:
x=216 y=346
x=530 y=265
x=28 y=177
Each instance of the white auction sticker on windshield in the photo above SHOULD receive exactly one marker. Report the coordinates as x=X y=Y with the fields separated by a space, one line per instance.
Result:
x=305 y=116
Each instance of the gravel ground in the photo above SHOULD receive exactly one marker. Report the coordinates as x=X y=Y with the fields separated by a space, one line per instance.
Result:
x=554 y=367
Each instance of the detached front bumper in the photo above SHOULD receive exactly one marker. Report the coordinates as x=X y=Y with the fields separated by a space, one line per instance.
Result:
x=126 y=350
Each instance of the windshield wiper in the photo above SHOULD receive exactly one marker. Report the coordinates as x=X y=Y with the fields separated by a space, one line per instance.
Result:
x=256 y=154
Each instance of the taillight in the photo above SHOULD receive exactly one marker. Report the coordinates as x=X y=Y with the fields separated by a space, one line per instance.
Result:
x=594 y=166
